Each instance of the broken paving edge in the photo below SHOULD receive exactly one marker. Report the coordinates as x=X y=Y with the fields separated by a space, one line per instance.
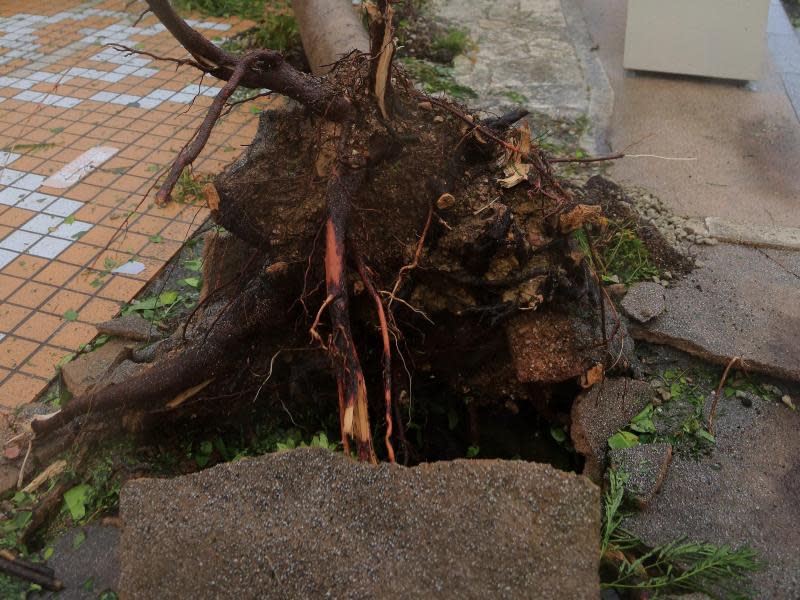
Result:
x=645 y=334
x=323 y=525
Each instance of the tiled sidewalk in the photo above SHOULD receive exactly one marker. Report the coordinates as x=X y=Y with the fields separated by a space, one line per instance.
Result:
x=84 y=132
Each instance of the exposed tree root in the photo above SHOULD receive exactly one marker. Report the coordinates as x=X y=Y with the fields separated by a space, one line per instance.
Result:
x=364 y=156
x=206 y=357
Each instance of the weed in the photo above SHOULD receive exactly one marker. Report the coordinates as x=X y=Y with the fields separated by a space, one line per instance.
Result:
x=160 y=307
x=455 y=41
x=678 y=566
x=515 y=97
x=621 y=254
x=680 y=416
x=247 y=9
x=29 y=148
x=436 y=78
x=189 y=188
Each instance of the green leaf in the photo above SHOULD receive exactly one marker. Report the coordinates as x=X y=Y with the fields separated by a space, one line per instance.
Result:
x=643 y=422
x=168 y=298
x=558 y=434
x=70 y=220
x=76 y=500
x=88 y=585
x=705 y=435
x=70 y=315
x=473 y=451
x=623 y=439
x=78 y=540
x=194 y=264
x=156 y=239
x=48 y=552
x=56 y=130
x=191 y=282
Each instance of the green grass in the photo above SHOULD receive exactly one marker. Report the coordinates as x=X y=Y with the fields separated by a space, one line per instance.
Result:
x=622 y=255
x=679 y=566
x=456 y=41
x=436 y=78
x=247 y=9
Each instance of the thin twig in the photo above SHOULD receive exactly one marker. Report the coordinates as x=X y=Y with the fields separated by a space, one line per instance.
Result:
x=413 y=264
x=587 y=159
x=712 y=413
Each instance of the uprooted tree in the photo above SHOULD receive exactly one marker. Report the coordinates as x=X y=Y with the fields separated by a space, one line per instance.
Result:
x=366 y=201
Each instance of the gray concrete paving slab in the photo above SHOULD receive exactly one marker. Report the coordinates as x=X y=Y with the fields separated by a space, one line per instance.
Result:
x=745 y=493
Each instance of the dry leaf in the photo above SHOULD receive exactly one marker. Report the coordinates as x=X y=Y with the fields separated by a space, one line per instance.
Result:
x=578 y=216
x=186 y=394
x=592 y=376
x=211 y=195
x=12 y=452
x=515 y=174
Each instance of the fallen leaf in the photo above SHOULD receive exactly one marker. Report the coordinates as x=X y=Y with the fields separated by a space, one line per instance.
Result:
x=211 y=195
x=787 y=400
x=578 y=216
x=592 y=376
x=515 y=174
x=11 y=452
x=186 y=394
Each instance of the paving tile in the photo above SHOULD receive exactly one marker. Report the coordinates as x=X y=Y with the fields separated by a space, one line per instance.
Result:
x=11 y=316
x=73 y=334
x=32 y=294
x=19 y=389
x=14 y=350
x=8 y=285
x=39 y=327
x=19 y=241
x=42 y=363
x=81 y=205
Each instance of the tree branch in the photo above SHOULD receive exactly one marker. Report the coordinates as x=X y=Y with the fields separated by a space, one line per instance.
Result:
x=279 y=76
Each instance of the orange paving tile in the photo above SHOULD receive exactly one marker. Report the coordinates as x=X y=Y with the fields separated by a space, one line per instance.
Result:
x=61 y=237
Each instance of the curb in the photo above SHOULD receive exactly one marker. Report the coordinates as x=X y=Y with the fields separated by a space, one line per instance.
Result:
x=598 y=87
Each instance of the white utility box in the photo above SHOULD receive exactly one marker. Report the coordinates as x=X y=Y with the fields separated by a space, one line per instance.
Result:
x=714 y=38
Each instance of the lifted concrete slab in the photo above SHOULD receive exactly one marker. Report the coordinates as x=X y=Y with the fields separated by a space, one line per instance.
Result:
x=313 y=524
x=742 y=302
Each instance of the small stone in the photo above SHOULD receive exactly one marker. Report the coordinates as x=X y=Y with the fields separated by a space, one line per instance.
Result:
x=746 y=401
x=425 y=105
x=438 y=119
x=787 y=400
x=646 y=466
x=644 y=301
x=617 y=290
x=445 y=201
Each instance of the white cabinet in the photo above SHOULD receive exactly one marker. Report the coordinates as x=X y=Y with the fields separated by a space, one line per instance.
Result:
x=716 y=38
